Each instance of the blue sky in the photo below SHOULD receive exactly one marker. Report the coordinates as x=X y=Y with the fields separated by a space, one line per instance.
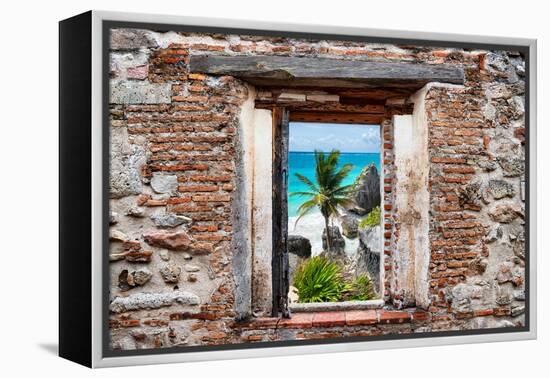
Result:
x=328 y=136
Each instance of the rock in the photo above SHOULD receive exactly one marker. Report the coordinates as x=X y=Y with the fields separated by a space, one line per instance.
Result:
x=118 y=236
x=126 y=162
x=506 y=213
x=201 y=248
x=299 y=246
x=191 y=268
x=113 y=218
x=504 y=273
x=494 y=234
x=128 y=280
x=479 y=265
x=187 y=256
x=367 y=258
x=127 y=63
x=460 y=297
x=192 y=277
x=337 y=250
x=470 y=193
x=293 y=296
x=299 y=249
x=503 y=297
x=117 y=256
x=518 y=310
x=169 y=220
x=489 y=111
x=500 y=189
x=497 y=61
x=487 y=165
x=517 y=105
x=497 y=91
x=143 y=301
x=349 y=226
x=128 y=39
x=139 y=92
x=138 y=72
x=367 y=196
x=139 y=256
x=178 y=241
x=164 y=255
x=511 y=166
x=519 y=295
x=136 y=212
x=170 y=273
x=141 y=276
x=518 y=245
x=163 y=184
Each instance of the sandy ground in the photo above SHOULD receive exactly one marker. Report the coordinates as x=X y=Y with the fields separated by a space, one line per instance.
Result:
x=311 y=226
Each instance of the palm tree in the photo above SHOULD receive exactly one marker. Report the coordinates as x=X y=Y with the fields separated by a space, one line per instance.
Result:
x=327 y=193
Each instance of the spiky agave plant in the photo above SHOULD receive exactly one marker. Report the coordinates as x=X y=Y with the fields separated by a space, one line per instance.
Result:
x=327 y=193
x=319 y=280
x=360 y=289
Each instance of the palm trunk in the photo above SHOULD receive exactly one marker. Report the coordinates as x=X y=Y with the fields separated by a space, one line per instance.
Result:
x=329 y=236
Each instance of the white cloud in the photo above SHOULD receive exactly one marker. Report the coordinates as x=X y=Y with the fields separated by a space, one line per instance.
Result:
x=326 y=137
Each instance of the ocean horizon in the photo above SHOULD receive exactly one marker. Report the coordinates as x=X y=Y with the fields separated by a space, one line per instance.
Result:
x=303 y=162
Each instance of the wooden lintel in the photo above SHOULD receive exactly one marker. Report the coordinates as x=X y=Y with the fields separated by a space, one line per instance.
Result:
x=326 y=117
x=325 y=72
x=330 y=107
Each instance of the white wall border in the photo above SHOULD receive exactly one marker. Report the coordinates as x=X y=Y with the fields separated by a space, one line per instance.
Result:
x=97 y=186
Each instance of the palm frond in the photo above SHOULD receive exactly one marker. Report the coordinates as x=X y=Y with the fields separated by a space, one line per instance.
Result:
x=302 y=194
x=327 y=193
x=340 y=175
x=343 y=190
x=307 y=181
x=305 y=208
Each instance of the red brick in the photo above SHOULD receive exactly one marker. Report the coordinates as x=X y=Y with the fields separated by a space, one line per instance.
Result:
x=459 y=170
x=298 y=320
x=329 y=319
x=220 y=178
x=502 y=311
x=420 y=316
x=448 y=160
x=155 y=322
x=394 y=317
x=361 y=317
x=196 y=76
x=129 y=323
x=486 y=312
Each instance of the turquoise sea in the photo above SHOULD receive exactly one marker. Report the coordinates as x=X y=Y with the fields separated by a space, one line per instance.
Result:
x=304 y=163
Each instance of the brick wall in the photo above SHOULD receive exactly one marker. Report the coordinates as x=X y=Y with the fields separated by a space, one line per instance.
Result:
x=174 y=172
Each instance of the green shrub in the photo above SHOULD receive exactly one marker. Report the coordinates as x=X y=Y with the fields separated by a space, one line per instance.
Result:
x=373 y=219
x=360 y=289
x=319 y=280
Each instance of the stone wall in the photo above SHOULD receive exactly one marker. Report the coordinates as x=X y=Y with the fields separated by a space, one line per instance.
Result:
x=179 y=256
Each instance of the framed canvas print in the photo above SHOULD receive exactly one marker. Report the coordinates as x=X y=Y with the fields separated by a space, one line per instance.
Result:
x=238 y=189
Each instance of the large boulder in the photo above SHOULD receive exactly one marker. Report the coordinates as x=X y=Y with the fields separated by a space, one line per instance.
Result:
x=337 y=248
x=349 y=225
x=367 y=259
x=299 y=246
x=367 y=195
x=299 y=249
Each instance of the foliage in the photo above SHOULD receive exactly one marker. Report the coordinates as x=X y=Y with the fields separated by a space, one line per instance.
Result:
x=373 y=219
x=319 y=280
x=361 y=289
x=327 y=193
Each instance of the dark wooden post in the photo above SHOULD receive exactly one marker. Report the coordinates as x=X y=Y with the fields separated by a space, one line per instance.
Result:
x=280 y=278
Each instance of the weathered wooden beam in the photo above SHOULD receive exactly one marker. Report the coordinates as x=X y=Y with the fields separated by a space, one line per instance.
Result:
x=329 y=107
x=324 y=72
x=370 y=119
x=279 y=263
